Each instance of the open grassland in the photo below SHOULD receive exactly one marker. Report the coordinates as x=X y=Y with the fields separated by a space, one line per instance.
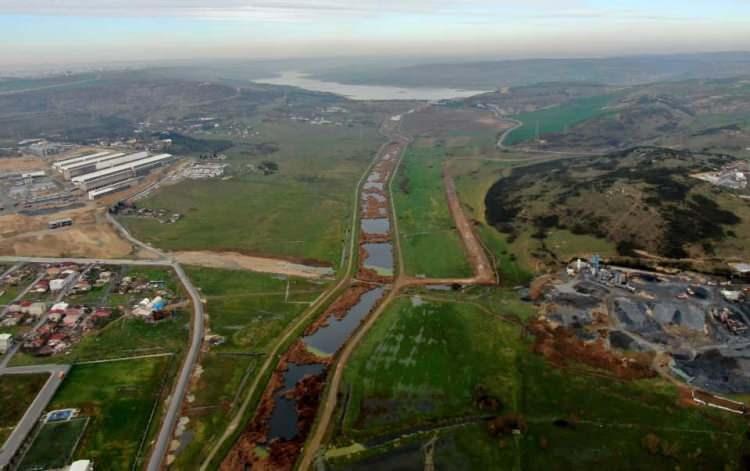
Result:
x=54 y=445
x=430 y=242
x=417 y=374
x=302 y=211
x=249 y=310
x=17 y=392
x=557 y=119
x=119 y=397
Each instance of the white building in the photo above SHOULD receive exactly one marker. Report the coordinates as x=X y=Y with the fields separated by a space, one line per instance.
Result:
x=6 y=341
x=81 y=465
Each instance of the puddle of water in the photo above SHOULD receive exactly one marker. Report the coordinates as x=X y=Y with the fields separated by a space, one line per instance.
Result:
x=376 y=226
x=283 y=423
x=439 y=287
x=379 y=257
x=330 y=338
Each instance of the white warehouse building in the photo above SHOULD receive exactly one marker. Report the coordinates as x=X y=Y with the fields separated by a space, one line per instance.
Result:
x=131 y=169
x=109 y=161
x=84 y=158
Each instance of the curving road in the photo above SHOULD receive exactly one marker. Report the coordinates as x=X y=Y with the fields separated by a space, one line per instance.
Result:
x=197 y=332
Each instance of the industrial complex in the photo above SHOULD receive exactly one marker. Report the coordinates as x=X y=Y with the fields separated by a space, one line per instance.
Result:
x=105 y=172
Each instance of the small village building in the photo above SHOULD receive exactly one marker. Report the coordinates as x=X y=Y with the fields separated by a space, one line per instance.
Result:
x=6 y=342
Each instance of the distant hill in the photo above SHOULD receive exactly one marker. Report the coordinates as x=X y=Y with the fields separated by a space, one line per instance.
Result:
x=491 y=75
x=640 y=199
x=696 y=114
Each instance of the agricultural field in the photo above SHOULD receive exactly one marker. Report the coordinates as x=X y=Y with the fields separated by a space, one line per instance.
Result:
x=300 y=211
x=557 y=119
x=461 y=374
x=54 y=445
x=23 y=389
x=120 y=398
x=249 y=310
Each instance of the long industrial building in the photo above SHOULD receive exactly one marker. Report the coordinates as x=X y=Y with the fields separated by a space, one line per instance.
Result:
x=83 y=158
x=114 y=160
x=133 y=168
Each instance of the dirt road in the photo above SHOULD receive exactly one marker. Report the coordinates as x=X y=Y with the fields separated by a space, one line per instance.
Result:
x=484 y=272
x=237 y=261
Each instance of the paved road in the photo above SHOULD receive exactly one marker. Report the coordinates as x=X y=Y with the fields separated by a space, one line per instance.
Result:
x=178 y=394
x=34 y=412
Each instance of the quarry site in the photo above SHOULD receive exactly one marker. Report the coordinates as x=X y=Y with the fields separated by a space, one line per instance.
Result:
x=693 y=326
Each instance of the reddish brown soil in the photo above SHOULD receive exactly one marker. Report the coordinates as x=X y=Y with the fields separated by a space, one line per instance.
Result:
x=300 y=355
x=538 y=286
x=370 y=238
x=561 y=347
x=484 y=272
x=372 y=208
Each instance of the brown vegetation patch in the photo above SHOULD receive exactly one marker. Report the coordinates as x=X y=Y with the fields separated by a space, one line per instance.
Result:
x=560 y=346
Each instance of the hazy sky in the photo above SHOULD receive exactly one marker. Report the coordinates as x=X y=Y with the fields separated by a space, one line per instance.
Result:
x=73 y=31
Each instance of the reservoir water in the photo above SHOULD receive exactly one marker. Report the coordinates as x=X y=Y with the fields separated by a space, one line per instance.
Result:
x=367 y=92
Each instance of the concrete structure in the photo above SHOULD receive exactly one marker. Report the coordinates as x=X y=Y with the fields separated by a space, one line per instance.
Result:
x=98 y=193
x=84 y=158
x=109 y=176
x=6 y=341
x=81 y=465
x=79 y=168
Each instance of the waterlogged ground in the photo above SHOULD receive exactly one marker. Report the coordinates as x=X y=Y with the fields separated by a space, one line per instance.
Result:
x=417 y=377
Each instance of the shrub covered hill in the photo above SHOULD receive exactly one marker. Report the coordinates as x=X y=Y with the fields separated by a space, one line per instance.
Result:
x=641 y=199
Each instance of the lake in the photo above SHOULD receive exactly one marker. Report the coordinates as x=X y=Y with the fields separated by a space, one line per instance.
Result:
x=367 y=92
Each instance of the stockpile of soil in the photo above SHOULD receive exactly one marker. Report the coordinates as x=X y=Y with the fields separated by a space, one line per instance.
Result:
x=716 y=372
x=561 y=346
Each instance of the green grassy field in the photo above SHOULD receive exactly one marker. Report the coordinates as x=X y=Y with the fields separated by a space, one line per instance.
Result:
x=250 y=310
x=430 y=244
x=17 y=392
x=557 y=119
x=119 y=397
x=54 y=445
x=422 y=362
x=303 y=211
x=416 y=372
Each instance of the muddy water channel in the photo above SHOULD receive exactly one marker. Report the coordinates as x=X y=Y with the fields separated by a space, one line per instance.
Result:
x=283 y=423
x=377 y=226
x=330 y=338
x=287 y=410
x=379 y=257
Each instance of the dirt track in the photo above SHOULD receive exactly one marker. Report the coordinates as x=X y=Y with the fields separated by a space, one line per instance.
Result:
x=237 y=261
x=483 y=270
